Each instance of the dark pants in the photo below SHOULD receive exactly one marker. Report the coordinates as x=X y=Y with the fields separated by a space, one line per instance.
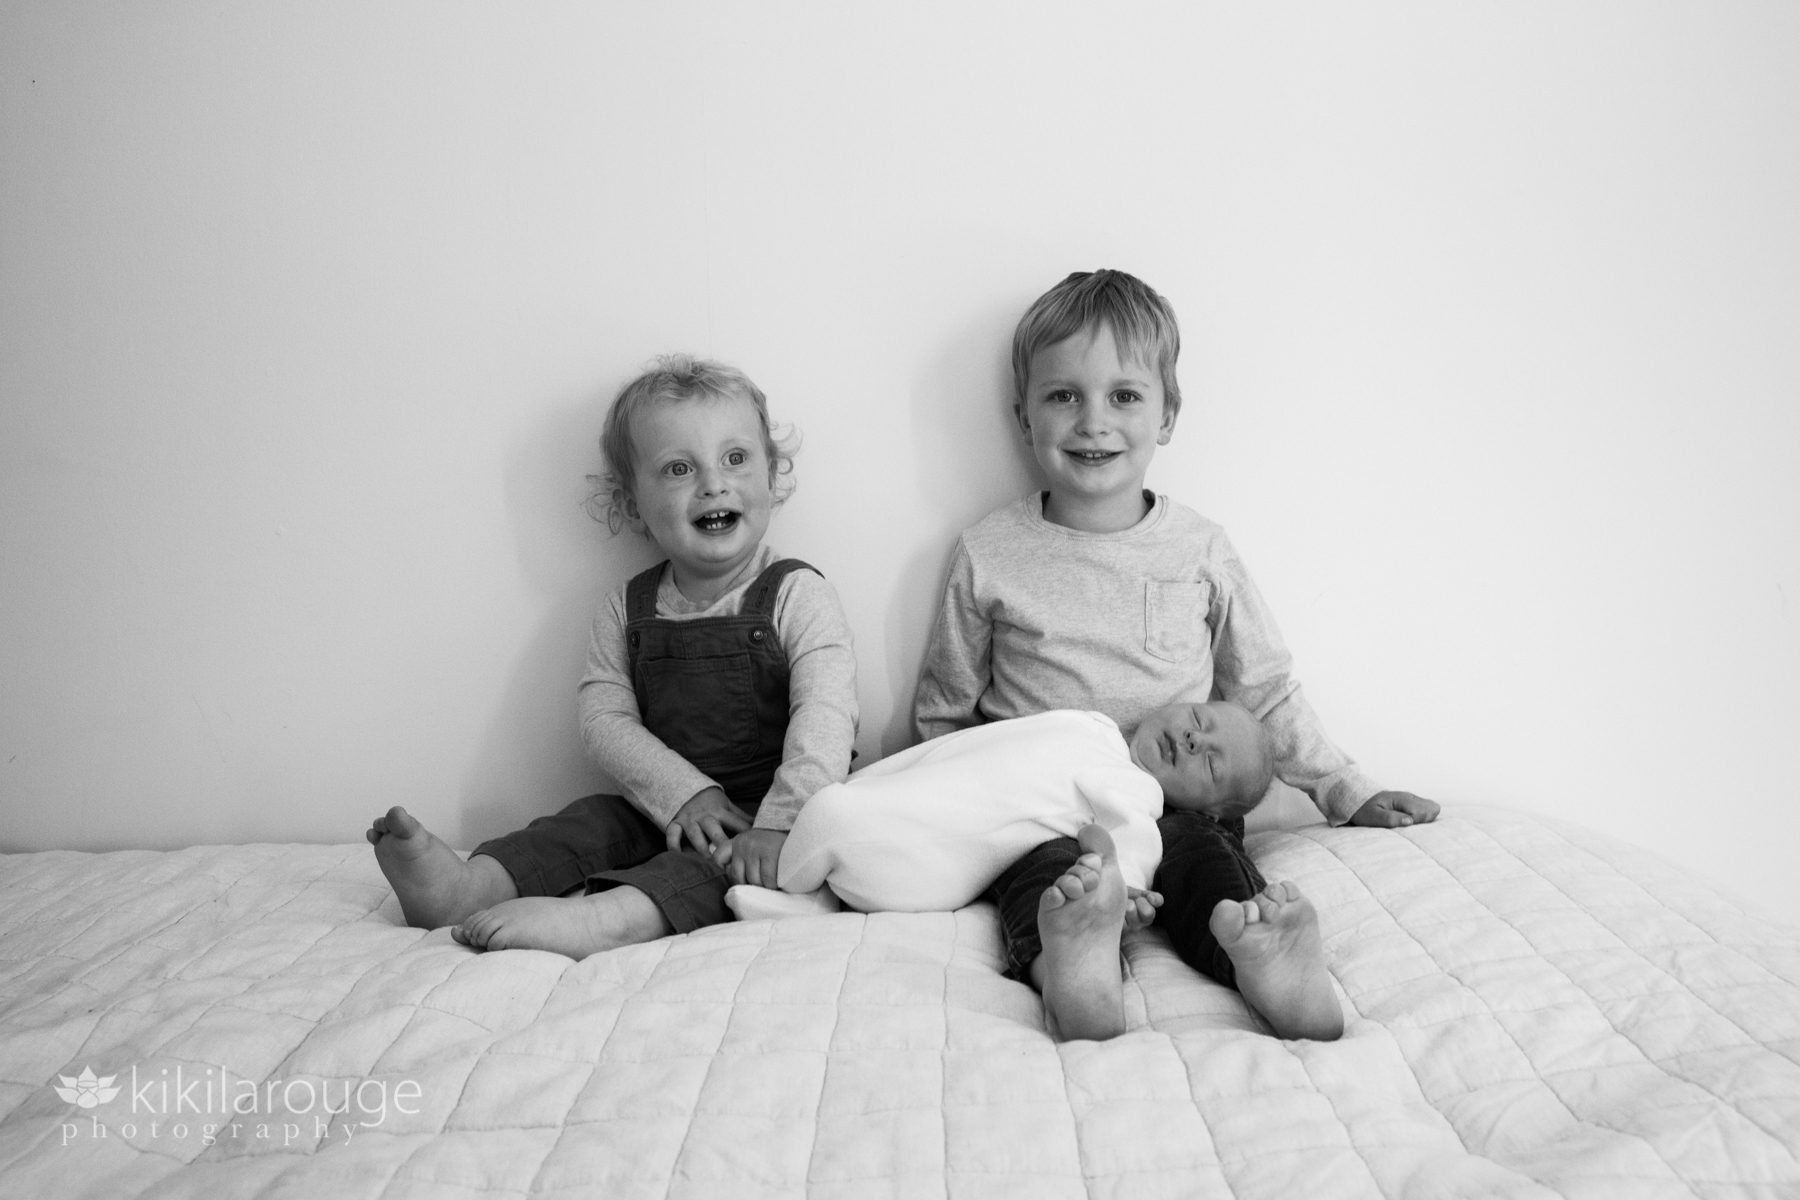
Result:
x=715 y=690
x=1203 y=862
x=602 y=842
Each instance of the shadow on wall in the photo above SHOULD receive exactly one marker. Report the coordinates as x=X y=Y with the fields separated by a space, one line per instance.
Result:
x=530 y=761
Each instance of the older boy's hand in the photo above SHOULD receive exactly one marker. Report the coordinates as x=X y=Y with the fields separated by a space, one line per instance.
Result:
x=707 y=820
x=1395 y=810
x=753 y=856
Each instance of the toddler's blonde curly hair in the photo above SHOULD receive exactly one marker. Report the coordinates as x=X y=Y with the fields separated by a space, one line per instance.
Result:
x=673 y=378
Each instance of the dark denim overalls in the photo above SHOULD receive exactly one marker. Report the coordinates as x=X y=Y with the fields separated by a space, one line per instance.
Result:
x=715 y=690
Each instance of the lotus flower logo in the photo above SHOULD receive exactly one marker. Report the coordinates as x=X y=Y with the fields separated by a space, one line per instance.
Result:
x=87 y=1089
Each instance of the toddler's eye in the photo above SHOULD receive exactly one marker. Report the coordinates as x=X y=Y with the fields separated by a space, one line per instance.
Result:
x=677 y=469
x=737 y=458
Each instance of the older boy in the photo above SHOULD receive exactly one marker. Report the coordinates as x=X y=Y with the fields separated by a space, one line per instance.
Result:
x=1097 y=594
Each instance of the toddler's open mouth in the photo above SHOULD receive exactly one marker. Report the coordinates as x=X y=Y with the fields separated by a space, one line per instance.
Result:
x=718 y=521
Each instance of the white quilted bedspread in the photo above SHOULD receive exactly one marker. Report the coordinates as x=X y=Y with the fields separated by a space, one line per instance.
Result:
x=1534 y=1010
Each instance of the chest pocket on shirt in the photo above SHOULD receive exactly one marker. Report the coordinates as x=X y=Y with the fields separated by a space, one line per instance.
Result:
x=1175 y=611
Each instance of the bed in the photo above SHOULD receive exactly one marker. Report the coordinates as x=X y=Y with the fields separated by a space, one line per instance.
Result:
x=1533 y=1009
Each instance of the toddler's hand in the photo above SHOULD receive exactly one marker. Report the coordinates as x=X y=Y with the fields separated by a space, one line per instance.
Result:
x=753 y=856
x=1395 y=810
x=1140 y=907
x=707 y=821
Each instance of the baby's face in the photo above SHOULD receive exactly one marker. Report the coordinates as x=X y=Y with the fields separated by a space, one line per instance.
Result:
x=1203 y=755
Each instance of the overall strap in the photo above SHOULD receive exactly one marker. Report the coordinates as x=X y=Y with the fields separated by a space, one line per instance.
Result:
x=640 y=593
x=760 y=599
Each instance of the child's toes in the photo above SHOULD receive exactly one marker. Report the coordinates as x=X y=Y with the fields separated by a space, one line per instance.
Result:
x=1228 y=920
x=1277 y=897
x=399 y=821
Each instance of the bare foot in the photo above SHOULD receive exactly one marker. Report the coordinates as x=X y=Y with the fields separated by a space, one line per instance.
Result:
x=435 y=885
x=573 y=925
x=1273 y=941
x=1080 y=918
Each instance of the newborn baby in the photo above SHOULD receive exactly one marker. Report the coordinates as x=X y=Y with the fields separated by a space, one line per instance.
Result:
x=930 y=828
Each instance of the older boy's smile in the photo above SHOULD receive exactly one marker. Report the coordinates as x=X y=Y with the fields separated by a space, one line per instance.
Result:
x=1094 y=416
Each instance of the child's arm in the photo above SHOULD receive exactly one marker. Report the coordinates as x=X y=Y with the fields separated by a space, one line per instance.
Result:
x=1252 y=667
x=956 y=670
x=822 y=715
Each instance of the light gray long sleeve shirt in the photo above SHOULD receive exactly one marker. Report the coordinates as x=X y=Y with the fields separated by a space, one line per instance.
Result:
x=822 y=709
x=1037 y=616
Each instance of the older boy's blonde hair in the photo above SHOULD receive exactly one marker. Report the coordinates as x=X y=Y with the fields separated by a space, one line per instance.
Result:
x=1142 y=323
x=672 y=378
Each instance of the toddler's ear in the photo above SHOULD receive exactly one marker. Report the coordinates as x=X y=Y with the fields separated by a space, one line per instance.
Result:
x=629 y=507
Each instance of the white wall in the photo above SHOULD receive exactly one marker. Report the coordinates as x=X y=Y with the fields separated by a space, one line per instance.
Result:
x=308 y=314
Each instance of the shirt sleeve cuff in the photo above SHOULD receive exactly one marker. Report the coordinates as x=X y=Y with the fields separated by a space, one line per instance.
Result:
x=673 y=795
x=1347 y=794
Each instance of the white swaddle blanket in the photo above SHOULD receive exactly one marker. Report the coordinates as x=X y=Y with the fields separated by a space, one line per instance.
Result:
x=930 y=828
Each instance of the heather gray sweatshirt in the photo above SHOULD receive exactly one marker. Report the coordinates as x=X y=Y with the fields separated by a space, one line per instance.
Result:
x=1037 y=616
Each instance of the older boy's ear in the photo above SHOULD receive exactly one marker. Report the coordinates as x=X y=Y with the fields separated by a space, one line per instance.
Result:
x=1167 y=429
x=1023 y=420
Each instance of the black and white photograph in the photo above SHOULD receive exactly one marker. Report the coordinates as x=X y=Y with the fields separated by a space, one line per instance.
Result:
x=788 y=600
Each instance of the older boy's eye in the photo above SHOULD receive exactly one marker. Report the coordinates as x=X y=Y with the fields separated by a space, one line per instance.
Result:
x=1063 y=396
x=1127 y=397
